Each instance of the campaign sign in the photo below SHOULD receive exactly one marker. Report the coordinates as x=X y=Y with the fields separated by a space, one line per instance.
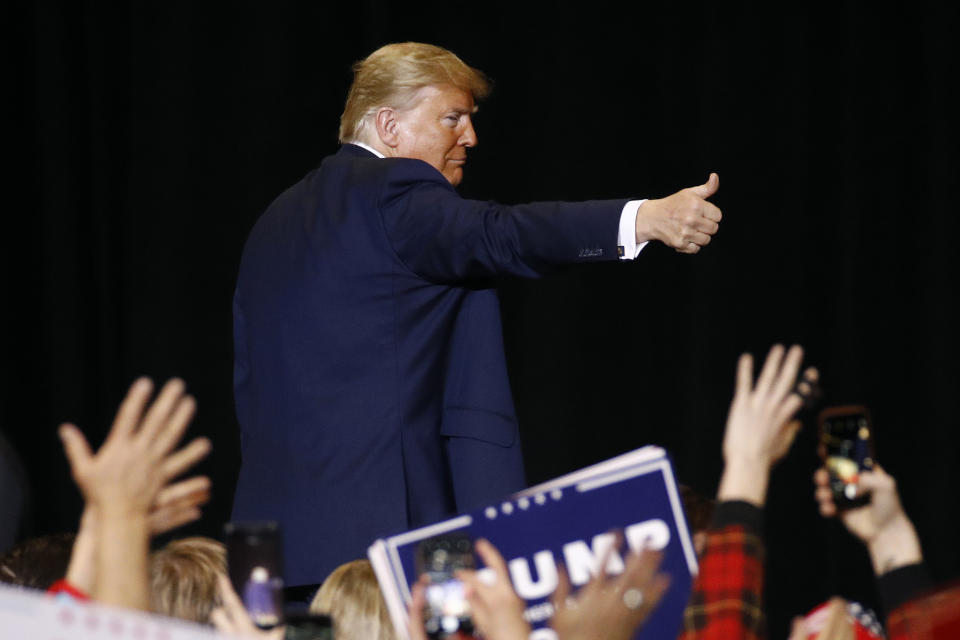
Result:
x=569 y=520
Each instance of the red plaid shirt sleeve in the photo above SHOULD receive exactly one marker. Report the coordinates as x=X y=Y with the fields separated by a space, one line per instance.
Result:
x=727 y=597
x=932 y=617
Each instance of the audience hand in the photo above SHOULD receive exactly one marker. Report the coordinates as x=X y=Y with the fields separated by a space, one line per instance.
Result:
x=496 y=608
x=759 y=427
x=610 y=607
x=175 y=505
x=684 y=220
x=123 y=486
x=135 y=461
x=417 y=609
x=232 y=619
x=882 y=524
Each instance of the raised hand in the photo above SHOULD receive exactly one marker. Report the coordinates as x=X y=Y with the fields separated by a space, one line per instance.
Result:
x=175 y=505
x=684 y=220
x=610 y=607
x=135 y=461
x=232 y=619
x=124 y=483
x=760 y=428
x=496 y=608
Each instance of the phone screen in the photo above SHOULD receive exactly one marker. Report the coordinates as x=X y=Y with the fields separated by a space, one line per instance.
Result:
x=847 y=449
x=448 y=613
x=254 y=563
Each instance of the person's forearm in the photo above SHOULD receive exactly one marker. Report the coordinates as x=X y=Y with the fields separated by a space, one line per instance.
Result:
x=895 y=546
x=122 y=575
x=81 y=572
x=744 y=480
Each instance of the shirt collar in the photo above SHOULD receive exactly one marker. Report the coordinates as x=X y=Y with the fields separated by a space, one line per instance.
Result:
x=368 y=148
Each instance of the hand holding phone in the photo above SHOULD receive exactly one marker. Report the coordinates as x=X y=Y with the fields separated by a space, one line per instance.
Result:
x=447 y=610
x=254 y=563
x=846 y=447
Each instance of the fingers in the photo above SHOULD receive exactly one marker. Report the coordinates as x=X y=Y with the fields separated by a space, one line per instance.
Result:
x=221 y=622
x=789 y=433
x=180 y=461
x=170 y=517
x=75 y=447
x=172 y=430
x=788 y=407
x=821 y=477
x=711 y=215
x=562 y=592
x=640 y=568
x=231 y=601
x=786 y=379
x=600 y=579
x=418 y=602
x=231 y=617
x=700 y=239
x=798 y=629
x=708 y=188
x=128 y=415
x=744 y=375
x=640 y=576
x=823 y=494
x=178 y=504
x=491 y=557
x=707 y=225
x=875 y=480
x=189 y=488
x=157 y=416
x=661 y=582
x=770 y=368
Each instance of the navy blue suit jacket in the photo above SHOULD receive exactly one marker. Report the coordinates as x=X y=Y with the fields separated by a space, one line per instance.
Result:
x=370 y=381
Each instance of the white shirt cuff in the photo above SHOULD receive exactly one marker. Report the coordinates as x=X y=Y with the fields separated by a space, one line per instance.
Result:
x=627 y=234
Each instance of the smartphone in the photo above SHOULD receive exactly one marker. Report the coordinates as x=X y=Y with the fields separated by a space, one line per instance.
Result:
x=846 y=447
x=254 y=562
x=448 y=613
x=301 y=625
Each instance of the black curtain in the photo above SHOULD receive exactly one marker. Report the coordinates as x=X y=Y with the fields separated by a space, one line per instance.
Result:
x=153 y=135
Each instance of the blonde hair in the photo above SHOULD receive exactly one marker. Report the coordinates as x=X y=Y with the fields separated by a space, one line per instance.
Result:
x=183 y=578
x=351 y=596
x=392 y=75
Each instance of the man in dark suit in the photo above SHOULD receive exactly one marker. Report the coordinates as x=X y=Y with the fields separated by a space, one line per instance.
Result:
x=371 y=386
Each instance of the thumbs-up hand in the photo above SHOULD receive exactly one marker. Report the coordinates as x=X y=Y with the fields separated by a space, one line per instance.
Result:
x=684 y=220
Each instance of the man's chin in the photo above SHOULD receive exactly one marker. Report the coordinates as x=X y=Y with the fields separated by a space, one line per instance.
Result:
x=454 y=176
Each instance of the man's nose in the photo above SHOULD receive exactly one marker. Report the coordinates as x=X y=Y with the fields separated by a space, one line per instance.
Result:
x=469 y=136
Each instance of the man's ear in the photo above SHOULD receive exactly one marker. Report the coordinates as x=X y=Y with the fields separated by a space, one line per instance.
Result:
x=388 y=126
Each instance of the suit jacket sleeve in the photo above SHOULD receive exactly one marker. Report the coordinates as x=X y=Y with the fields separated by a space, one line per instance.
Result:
x=443 y=237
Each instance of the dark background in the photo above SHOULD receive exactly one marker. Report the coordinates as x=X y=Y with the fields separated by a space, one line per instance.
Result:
x=153 y=136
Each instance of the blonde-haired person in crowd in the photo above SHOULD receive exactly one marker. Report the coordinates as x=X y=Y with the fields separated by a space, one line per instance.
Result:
x=183 y=578
x=351 y=596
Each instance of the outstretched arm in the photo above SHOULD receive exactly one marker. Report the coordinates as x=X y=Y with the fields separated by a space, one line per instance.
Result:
x=122 y=481
x=727 y=597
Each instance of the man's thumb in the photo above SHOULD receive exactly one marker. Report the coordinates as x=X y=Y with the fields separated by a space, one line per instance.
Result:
x=708 y=188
